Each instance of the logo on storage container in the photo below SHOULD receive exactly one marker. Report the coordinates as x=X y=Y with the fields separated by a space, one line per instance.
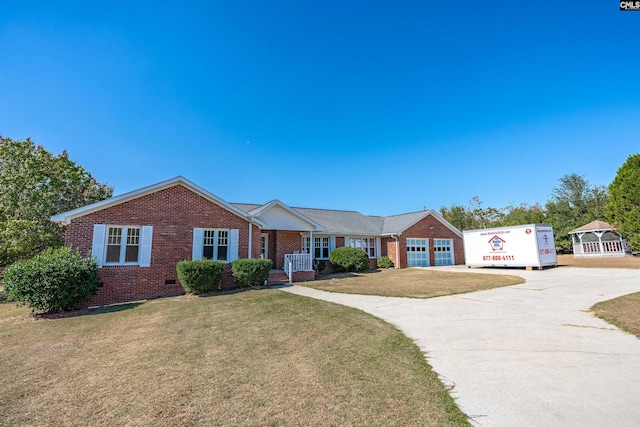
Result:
x=497 y=244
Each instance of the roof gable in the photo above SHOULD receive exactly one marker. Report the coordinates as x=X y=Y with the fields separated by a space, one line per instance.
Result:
x=66 y=217
x=397 y=224
x=278 y=216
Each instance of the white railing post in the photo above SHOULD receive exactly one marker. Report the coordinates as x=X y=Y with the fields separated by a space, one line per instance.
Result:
x=296 y=262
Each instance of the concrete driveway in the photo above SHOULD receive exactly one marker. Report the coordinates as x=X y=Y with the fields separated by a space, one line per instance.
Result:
x=524 y=355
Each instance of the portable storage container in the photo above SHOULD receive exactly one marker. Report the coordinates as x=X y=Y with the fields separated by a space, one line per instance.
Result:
x=530 y=246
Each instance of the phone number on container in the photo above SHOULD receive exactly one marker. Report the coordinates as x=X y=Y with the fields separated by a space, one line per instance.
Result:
x=498 y=258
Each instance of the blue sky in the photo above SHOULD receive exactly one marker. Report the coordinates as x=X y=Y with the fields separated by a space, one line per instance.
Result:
x=378 y=106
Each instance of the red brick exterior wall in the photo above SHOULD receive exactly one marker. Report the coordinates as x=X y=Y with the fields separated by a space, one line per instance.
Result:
x=173 y=213
x=428 y=228
x=287 y=242
x=389 y=244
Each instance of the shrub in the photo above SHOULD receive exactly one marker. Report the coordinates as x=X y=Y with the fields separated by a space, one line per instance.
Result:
x=319 y=265
x=350 y=259
x=200 y=276
x=250 y=272
x=384 y=262
x=52 y=281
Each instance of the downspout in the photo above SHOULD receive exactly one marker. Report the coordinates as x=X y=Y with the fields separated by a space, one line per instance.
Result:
x=250 y=237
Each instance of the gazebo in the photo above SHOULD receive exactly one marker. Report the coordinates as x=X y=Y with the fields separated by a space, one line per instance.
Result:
x=598 y=240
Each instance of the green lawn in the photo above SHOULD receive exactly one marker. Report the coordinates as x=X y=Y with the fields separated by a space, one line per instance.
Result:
x=261 y=357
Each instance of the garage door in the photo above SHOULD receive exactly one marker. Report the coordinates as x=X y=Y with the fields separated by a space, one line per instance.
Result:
x=418 y=252
x=443 y=251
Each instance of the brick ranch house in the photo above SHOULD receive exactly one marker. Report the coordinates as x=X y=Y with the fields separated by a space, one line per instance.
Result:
x=139 y=237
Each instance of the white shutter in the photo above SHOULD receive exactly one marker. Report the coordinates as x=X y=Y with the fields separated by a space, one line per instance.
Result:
x=145 y=246
x=332 y=243
x=378 y=247
x=97 y=244
x=233 y=245
x=198 y=235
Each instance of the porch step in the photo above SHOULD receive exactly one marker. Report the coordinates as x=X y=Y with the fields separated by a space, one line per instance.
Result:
x=277 y=277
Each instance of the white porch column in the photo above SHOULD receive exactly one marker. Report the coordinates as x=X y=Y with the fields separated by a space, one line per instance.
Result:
x=312 y=248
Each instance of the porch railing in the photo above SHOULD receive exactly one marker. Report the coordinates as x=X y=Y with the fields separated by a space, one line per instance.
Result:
x=600 y=248
x=296 y=262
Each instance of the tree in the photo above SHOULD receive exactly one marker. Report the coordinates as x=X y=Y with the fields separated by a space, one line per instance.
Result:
x=574 y=203
x=624 y=200
x=473 y=216
x=35 y=185
x=524 y=214
x=458 y=216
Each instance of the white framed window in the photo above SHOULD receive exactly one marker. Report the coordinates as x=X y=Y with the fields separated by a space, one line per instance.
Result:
x=214 y=243
x=122 y=245
x=367 y=244
x=322 y=246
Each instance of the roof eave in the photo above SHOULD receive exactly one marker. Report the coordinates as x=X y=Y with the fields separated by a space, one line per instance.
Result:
x=66 y=217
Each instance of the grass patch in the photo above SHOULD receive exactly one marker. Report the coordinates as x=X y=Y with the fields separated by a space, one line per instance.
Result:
x=261 y=357
x=411 y=282
x=623 y=312
x=10 y=309
x=568 y=260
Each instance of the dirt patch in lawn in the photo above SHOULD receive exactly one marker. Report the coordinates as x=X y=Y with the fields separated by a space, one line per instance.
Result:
x=410 y=282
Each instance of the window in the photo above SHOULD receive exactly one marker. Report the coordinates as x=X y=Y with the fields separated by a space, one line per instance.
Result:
x=367 y=244
x=122 y=245
x=215 y=244
x=123 y=252
x=321 y=246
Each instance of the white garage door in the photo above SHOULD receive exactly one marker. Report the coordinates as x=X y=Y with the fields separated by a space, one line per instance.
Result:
x=443 y=251
x=418 y=252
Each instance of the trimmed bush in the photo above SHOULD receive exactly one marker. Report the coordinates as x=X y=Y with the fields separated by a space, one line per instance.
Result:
x=384 y=262
x=52 y=281
x=250 y=272
x=350 y=259
x=200 y=276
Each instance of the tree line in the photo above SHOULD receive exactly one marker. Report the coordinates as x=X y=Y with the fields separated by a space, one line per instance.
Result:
x=572 y=204
x=36 y=184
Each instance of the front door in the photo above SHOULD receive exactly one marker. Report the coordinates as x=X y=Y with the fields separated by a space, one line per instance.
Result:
x=264 y=245
x=417 y=252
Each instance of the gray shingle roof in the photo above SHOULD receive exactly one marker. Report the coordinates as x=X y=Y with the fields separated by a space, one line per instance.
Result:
x=345 y=223
x=351 y=223
x=397 y=223
x=593 y=226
